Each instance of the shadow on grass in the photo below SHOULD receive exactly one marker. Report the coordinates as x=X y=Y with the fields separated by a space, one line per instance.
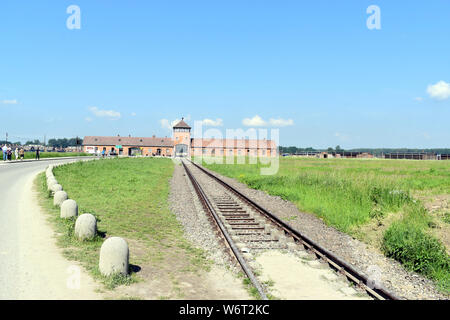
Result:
x=134 y=268
x=101 y=234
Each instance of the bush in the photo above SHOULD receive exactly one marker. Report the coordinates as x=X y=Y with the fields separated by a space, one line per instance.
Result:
x=416 y=250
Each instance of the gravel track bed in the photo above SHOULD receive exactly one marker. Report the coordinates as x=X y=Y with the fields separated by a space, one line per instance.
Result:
x=215 y=191
x=185 y=205
x=391 y=274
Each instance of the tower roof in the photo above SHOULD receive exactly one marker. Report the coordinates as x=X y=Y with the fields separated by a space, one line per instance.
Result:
x=182 y=124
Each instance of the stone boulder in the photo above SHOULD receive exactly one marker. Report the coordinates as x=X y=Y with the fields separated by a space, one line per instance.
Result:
x=59 y=198
x=86 y=227
x=114 y=257
x=69 y=208
x=56 y=187
x=51 y=182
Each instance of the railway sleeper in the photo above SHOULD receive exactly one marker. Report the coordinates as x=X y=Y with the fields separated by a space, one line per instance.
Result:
x=240 y=219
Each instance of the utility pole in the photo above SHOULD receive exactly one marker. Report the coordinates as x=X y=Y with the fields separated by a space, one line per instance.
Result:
x=7 y=138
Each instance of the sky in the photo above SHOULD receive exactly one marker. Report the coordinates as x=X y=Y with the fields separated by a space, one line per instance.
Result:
x=312 y=69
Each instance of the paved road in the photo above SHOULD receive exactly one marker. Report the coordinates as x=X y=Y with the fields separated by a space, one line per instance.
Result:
x=31 y=266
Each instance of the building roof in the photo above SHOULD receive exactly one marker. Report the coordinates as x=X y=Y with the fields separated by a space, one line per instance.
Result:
x=233 y=143
x=182 y=124
x=127 y=141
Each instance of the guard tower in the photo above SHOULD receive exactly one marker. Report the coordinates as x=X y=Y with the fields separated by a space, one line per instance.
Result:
x=182 y=139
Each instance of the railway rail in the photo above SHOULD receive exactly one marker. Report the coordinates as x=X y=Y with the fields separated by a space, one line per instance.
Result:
x=244 y=225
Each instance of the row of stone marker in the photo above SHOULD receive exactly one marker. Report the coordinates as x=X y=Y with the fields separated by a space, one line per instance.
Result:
x=114 y=253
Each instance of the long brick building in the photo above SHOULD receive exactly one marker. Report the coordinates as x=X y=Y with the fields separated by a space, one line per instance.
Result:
x=180 y=145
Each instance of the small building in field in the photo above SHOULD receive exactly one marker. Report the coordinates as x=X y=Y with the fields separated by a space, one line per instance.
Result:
x=410 y=155
x=307 y=154
x=323 y=155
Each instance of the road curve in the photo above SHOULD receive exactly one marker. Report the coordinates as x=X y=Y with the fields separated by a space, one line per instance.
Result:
x=31 y=265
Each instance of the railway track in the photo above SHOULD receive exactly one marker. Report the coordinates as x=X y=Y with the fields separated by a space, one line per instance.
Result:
x=243 y=225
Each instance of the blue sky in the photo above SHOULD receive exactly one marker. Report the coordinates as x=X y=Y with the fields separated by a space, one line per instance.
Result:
x=314 y=66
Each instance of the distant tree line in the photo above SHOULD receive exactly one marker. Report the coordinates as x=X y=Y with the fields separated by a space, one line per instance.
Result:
x=3 y=142
x=64 y=143
x=309 y=149
x=35 y=142
x=55 y=143
x=374 y=151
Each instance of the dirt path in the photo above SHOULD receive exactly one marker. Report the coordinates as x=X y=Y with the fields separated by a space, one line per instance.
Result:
x=32 y=265
x=300 y=278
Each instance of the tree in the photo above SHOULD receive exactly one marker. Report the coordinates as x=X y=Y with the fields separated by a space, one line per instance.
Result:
x=64 y=143
x=33 y=142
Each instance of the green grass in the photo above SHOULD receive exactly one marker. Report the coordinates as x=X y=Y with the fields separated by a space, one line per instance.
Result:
x=350 y=193
x=345 y=192
x=43 y=155
x=129 y=198
x=408 y=243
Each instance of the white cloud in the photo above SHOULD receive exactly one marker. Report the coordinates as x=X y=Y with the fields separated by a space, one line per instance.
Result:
x=257 y=121
x=133 y=114
x=281 y=122
x=418 y=99
x=212 y=123
x=110 y=114
x=166 y=124
x=9 y=101
x=439 y=91
x=88 y=119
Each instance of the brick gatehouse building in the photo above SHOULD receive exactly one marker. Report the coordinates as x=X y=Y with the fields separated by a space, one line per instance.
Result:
x=180 y=145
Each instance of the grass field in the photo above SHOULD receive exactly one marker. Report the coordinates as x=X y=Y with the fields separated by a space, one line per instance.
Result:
x=351 y=194
x=129 y=199
x=32 y=155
